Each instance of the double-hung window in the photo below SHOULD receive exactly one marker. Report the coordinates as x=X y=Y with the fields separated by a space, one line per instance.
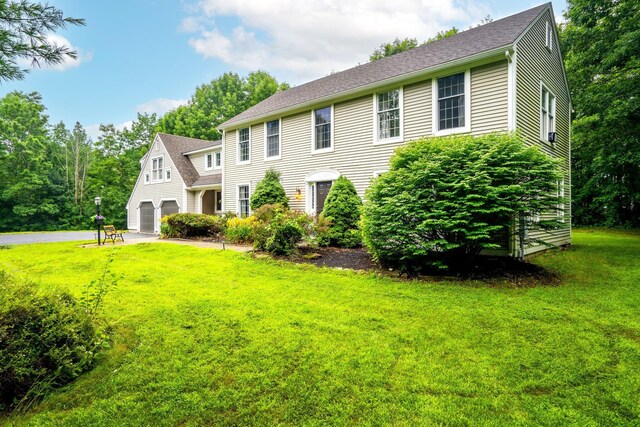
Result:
x=217 y=160
x=156 y=169
x=388 y=117
x=272 y=148
x=243 y=201
x=244 y=146
x=547 y=113
x=322 y=132
x=208 y=161
x=452 y=102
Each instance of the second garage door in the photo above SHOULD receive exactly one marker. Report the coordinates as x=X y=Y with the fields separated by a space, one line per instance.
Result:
x=168 y=208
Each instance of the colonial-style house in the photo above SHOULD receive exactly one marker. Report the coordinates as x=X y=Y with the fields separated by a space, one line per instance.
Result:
x=506 y=75
x=178 y=174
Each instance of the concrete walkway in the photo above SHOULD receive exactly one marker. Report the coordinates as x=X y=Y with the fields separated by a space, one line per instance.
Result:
x=90 y=239
x=60 y=236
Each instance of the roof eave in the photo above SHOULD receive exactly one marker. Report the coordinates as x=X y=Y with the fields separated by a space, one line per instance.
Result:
x=367 y=88
x=203 y=150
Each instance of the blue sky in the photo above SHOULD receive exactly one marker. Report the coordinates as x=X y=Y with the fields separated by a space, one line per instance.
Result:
x=149 y=55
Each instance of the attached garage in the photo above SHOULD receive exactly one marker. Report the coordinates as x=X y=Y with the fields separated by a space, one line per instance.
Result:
x=147 y=217
x=169 y=207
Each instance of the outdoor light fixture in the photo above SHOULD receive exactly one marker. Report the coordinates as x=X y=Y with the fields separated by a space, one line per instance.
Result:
x=98 y=222
x=298 y=195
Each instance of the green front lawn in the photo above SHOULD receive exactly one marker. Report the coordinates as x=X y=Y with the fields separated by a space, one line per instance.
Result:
x=211 y=337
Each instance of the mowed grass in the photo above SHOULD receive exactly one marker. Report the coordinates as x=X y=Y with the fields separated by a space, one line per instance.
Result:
x=204 y=337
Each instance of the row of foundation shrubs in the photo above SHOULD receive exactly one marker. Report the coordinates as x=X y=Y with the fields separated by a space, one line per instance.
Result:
x=442 y=202
x=274 y=227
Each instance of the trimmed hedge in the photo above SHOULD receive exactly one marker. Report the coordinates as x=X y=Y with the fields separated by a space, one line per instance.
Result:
x=189 y=225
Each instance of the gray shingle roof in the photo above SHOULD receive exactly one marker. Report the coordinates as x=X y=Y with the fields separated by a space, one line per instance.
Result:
x=497 y=34
x=208 y=180
x=176 y=145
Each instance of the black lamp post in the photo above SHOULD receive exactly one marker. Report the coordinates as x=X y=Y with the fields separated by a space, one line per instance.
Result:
x=98 y=222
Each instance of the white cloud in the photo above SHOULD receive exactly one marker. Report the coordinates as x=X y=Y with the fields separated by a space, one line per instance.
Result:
x=306 y=40
x=160 y=106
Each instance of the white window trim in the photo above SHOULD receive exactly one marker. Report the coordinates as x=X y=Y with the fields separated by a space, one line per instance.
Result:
x=168 y=178
x=147 y=178
x=215 y=154
x=279 y=156
x=215 y=200
x=245 y=162
x=376 y=136
x=435 y=110
x=313 y=132
x=238 y=198
x=551 y=125
x=548 y=34
x=161 y=179
x=208 y=156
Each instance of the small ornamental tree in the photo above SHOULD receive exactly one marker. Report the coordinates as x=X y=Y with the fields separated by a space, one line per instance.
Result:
x=342 y=209
x=269 y=191
x=444 y=200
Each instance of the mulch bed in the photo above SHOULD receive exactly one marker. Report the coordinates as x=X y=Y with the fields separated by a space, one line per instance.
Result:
x=493 y=271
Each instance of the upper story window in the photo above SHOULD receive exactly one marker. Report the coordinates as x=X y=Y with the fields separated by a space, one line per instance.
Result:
x=167 y=175
x=388 y=115
x=547 y=113
x=157 y=167
x=322 y=132
x=272 y=148
x=451 y=102
x=217 y=160
x=549 y=36
x=244 y=145
x=208 y=161
x=146 y=177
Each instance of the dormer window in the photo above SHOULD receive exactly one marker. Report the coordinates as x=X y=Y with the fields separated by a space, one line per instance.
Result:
x=208 y=161
x=217 y=160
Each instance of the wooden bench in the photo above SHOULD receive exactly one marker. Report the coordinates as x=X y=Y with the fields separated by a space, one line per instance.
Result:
x=110 y=232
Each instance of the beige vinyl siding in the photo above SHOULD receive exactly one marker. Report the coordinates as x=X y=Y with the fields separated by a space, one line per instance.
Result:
x=192 y=201
x=489 y=98
x=155 y=191
x=536 y=63
x=198 y=161
x=417 y=110
x=354 y=154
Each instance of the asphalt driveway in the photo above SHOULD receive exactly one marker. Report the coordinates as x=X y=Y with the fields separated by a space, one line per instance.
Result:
x=61 y=236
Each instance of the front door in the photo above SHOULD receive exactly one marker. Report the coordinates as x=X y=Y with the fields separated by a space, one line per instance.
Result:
x=322 y=189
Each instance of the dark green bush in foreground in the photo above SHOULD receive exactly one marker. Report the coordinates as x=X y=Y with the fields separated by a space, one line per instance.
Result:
x=278 y=230
x=342 y=209
x=269 y=191
x=45 y=341
x=444 y=200
x=188 y=225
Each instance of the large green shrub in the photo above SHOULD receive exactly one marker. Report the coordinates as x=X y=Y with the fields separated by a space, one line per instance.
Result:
x=342 y=209
x=189 y=225
x=269 y=191
x=46 y=340
x=444 y=200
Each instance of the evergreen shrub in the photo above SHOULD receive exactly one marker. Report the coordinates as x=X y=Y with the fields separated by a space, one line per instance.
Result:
x=342 y=209
x=269 y=191
x=445 y=199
